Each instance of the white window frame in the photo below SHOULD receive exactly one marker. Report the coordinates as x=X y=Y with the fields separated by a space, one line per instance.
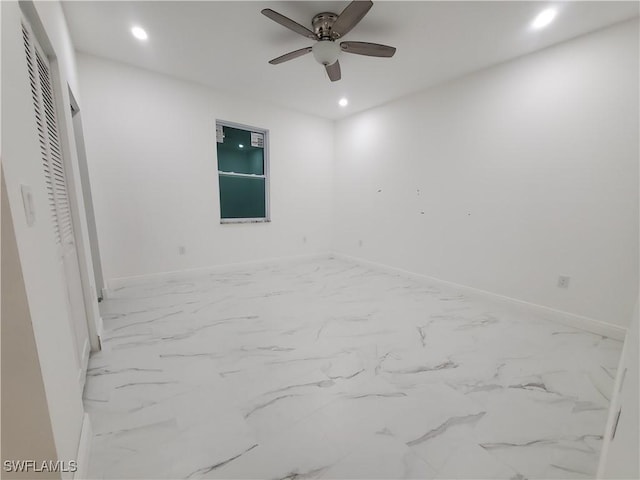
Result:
x=266 y=175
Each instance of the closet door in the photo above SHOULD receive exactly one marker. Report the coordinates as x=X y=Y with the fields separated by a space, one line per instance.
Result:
x=53 y=167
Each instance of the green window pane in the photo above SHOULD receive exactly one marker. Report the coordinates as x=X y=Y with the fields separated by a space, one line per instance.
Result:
x=235 y=153
x=242 y=197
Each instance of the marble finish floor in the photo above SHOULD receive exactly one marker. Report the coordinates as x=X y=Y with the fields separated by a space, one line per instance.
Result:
x=327 y=369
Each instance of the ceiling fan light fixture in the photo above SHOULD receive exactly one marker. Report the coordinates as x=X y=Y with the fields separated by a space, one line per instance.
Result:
x=326 y=52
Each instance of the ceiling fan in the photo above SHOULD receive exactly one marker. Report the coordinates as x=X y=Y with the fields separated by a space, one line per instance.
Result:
x=327 y=28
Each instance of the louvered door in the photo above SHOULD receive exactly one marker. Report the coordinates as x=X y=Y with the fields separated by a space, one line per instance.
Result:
x=55 y=181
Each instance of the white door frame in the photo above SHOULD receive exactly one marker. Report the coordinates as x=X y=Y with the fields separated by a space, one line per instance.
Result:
x=76 y=118
x=76 y=200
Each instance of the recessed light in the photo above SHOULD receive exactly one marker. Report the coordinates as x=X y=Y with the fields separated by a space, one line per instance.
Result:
x=343 y=102
x=240 y=145
x=139 y=33
x=544 y=18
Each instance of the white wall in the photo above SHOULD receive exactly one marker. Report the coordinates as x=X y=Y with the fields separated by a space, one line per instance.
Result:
x=525 y=171
x=150 y=142
x=38 y=256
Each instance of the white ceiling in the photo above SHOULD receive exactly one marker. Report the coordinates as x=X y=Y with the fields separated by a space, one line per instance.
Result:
x=227 y=45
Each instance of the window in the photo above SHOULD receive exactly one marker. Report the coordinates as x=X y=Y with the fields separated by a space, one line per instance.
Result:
x=243 y=173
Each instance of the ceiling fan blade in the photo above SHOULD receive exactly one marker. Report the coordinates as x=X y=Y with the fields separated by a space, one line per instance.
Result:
x=366 y=48
x=350 y=17
x=333 y=71
x=290 y=24
x=290 y=56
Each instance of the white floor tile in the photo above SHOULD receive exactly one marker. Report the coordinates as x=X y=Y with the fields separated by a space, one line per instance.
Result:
x=325 y=369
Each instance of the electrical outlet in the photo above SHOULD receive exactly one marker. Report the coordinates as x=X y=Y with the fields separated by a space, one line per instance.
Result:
x=359 y=243
x=182 y=249
x=563 y=281
x=304 y=239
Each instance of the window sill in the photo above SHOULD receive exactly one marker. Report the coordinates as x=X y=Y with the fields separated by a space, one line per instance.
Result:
x=224 y=221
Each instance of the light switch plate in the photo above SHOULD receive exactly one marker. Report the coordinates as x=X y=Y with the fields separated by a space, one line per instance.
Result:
x=27 y=201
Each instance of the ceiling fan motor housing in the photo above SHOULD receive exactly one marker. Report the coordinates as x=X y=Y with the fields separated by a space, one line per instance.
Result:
x=323 y=23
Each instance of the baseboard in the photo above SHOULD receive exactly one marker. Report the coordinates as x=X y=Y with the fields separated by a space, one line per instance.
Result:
x=566 y=318
x=84 y=449
x=121 y=282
